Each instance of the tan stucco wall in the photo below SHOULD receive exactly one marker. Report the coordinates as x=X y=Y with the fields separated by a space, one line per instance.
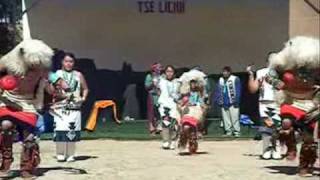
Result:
x=211 y=33
x=303 y=20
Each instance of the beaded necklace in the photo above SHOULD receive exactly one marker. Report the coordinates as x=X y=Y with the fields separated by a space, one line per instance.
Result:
x=70 y=79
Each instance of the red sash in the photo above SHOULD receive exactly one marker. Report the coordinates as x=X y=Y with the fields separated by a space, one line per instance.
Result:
x=296 y=113
x=189 y=120
x=25 y=117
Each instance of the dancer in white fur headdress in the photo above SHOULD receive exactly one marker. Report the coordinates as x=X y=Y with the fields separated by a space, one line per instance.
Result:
x=192 y=108
x=295 y=72
x=22 y=84
x=195 y=75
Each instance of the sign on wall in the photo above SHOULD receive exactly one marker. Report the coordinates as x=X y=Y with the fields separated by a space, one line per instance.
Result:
x=160 y=6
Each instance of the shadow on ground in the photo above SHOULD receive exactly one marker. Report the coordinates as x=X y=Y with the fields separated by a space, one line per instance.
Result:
x=43 y=170
x=252 y=155
x=289 y=170
x=189 y=154
x=83 y=158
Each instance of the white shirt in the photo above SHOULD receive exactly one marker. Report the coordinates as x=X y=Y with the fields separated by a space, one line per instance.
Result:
x=168 y=93
x=266 y=91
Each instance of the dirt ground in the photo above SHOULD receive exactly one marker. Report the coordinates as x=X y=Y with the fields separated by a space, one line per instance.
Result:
x=145 y=160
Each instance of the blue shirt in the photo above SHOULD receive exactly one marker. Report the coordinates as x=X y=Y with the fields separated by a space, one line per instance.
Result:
x=222 y=97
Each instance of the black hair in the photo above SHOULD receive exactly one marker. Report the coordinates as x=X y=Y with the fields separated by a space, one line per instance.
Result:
x=70 y=55
x=227 y=68
x=174 y=70
x=170 y=66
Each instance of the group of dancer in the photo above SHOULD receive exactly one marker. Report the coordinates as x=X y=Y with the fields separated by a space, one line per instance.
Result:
x=25 y=78
x=176 y=106
x=289 y=103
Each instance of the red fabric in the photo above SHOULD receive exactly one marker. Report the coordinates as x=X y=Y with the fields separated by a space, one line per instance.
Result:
x=298 y=114
x=289 y=78
x=292 y=111
x=313 y=125
x=25 y=117
x=189 y=120
x=8 y=82
x=156 y=67
x=294 y=84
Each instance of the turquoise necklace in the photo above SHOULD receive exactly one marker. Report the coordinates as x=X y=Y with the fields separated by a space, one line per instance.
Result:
x=69 y=77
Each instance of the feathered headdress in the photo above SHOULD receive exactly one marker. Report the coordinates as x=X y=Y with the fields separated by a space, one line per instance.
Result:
x=29 y=53
x=195 y=75
x=298 y=52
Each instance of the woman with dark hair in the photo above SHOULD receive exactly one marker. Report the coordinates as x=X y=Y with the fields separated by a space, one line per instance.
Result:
x=67 y=114
x=168 y=107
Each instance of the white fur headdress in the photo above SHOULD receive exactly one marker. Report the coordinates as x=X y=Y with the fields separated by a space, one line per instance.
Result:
x=193 y=74
x=298 y=52
x=28 y=53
